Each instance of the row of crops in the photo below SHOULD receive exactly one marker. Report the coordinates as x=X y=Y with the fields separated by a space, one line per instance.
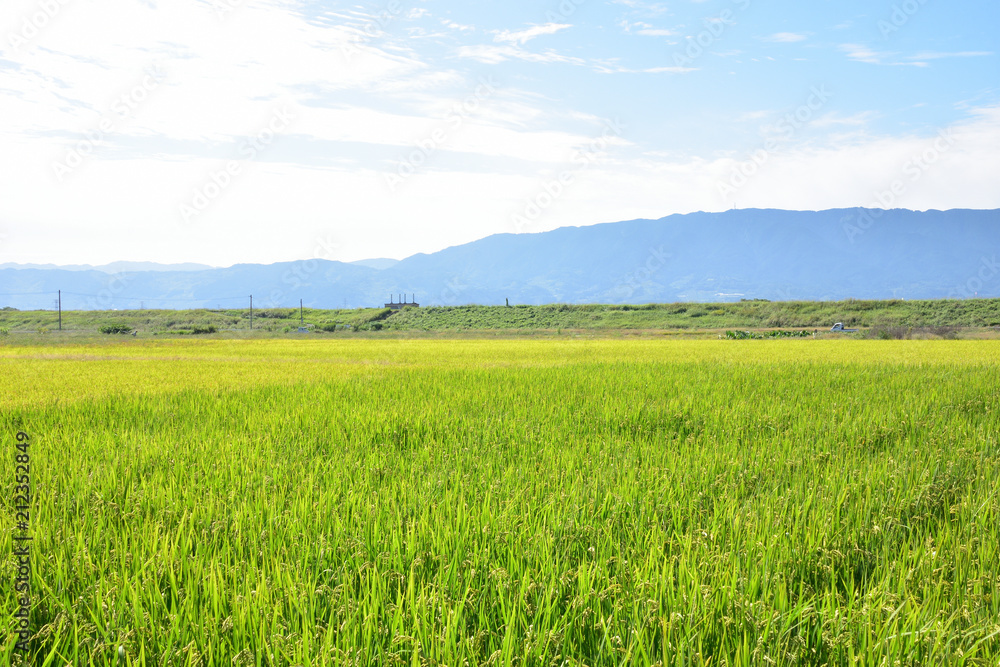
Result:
x=766 y=335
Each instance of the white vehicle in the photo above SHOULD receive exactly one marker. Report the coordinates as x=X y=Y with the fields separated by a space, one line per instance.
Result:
x=839 y=327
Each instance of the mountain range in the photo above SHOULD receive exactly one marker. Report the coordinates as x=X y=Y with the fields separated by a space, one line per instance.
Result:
x=738 y=254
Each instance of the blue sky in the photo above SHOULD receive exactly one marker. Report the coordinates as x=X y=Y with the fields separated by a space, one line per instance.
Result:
x=226 y=131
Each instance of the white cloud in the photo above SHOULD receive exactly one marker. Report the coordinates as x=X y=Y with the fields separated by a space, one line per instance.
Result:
x=521 y=36
x=610 y=67
x=362 y=95
x=656 y=32
x=457 y=26
x=786 y=37
x=864 y=54
x=651 y=8
x=844 y=172
x=933 y=55
x=645 y=29
x=755 y=115
x=495 y=53
x=860 y=53
x=833 y=119
x=218 y=83
x=444 y=207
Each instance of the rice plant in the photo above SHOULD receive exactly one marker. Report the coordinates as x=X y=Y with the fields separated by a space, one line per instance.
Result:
x=535 y=502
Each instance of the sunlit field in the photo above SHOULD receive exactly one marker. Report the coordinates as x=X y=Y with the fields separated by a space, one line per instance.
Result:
x=526 y=502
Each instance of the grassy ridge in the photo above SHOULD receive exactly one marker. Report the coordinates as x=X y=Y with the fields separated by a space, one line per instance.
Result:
x=517 y=502
x=749 y=314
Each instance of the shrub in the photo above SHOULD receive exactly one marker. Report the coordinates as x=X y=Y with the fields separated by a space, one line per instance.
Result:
x=204 y=330
x=273 y=313
x=888 y=333
x=112 y=329
x=379 y=316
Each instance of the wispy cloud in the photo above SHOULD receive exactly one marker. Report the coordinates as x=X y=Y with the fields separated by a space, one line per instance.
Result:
x=647 y=7
x=608 y=67
x=368 y=83
x=522 y=36
x=786 y=37
x=834 y=119
x=646 y=29
x=656 y=32
x=493 y=54
x=864 y=54
x=457 y=26
x=861 y=53
x=934 y=55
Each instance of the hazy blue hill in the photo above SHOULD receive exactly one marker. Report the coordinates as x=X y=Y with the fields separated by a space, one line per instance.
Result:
x=377 y=263
x=769 y=254
x=753 y=253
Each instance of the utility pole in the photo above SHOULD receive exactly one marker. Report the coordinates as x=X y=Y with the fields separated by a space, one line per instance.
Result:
x=60 y=310
x=251 y=312
x=302 y=316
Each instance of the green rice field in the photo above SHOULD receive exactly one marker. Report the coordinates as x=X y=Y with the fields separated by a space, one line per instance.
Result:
x=505 y=502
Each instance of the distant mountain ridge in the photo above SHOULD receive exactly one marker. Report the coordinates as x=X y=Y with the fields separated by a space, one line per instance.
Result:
x=377 y=263
x=738 y=254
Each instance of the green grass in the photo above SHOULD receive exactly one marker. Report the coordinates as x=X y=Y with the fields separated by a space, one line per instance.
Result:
x=535 y=502
x=892 y=316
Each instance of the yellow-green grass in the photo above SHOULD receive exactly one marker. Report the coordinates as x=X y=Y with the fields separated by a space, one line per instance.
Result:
x=527 y=502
